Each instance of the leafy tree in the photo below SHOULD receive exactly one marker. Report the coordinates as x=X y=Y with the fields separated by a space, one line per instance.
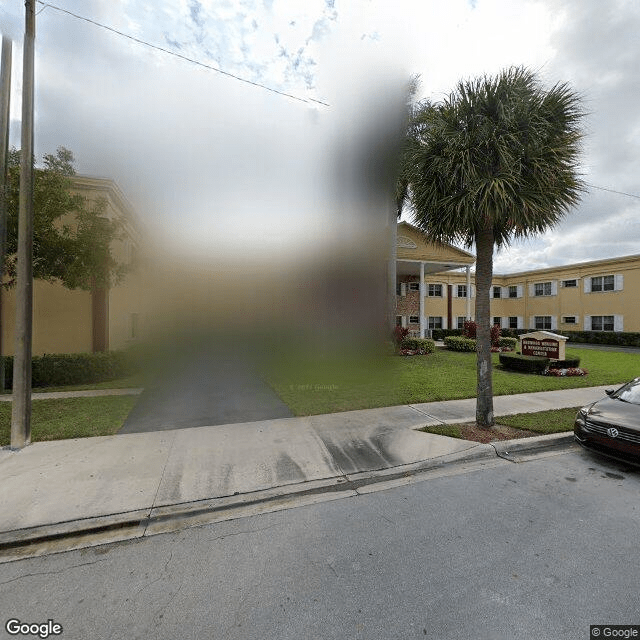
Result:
x=71 y=238
x=494 y=161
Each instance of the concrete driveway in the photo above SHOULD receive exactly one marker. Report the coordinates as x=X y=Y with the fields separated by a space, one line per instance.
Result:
x=208 y=389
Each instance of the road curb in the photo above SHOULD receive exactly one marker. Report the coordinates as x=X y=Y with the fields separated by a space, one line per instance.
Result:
x=518 y=449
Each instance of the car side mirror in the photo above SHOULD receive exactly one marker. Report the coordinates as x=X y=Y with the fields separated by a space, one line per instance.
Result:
x=610 y=392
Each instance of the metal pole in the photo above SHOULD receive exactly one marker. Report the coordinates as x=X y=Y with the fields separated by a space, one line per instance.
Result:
x=5 y=94
x=21 y=409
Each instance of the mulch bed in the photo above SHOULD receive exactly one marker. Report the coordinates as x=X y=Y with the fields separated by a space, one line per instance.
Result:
x=497 y=432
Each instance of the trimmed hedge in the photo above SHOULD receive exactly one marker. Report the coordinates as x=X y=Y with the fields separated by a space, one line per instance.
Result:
x=528 y=364
x=460 y=343
x=58 y=370
x=418 y=344
x=618 y=338
x=441 y=334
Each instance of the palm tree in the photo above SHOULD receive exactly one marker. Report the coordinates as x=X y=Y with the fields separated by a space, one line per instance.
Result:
x=495 y=161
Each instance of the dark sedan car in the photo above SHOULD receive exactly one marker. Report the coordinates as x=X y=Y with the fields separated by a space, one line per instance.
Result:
x=612 y=425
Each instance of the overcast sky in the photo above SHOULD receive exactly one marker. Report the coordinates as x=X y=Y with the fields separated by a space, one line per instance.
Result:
x=218 y=163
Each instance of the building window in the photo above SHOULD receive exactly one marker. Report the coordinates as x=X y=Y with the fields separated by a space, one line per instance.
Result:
x=398 y=321
x=497 y=292
x=570 y=283
x=542 y=322
x=542 y=289
x=601 y=323
x=414 y=320
x=460 y=320
x=414 y=286
x=435 y=322
x=399 y=289
x=569 y=320
x=497 y=321
x=603 y=283
x=462 y=291
x=513 y=322
x=435 y=291
x=513 y=291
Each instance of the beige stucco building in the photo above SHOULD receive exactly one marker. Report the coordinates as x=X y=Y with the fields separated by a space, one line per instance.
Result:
x=77 y=321
x=599 y=295
x=435 y=289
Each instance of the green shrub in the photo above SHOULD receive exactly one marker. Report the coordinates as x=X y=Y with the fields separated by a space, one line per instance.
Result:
x=528 y=364
x=619 y=338
x=58 y=370
x=441 y=334
x=418 y=344
x=508 y=342
x=459 y=343
x=515 y=333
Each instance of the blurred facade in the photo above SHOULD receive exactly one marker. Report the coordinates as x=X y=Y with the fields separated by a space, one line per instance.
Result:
x=342 y=295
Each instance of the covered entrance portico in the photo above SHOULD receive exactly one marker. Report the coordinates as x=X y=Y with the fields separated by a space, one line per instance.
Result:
x=423 y=295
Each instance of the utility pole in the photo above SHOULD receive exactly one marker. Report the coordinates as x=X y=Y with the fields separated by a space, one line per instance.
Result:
x=5 y=93
x=21 y=409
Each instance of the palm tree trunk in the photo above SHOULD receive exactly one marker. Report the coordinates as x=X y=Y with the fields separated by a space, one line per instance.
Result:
x=484 y=275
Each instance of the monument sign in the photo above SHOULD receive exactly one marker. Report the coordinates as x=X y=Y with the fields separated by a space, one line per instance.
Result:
x=543 y=343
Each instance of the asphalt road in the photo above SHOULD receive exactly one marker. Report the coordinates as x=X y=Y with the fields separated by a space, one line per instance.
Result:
x=208 y=389
x=540 y=549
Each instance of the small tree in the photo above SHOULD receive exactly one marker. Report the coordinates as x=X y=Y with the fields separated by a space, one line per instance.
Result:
x=494 y=161
x=71 y=240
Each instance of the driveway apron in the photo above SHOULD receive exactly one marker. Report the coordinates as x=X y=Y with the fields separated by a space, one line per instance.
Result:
x=208 y=390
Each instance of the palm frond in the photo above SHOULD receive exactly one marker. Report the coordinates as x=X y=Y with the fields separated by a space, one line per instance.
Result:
x=498 y=150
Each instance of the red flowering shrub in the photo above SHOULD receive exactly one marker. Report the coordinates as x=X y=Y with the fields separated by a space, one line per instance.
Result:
x=469 y=329
x=399 y=334
x=573 y=371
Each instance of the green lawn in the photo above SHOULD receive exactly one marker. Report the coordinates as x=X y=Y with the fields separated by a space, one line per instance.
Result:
x=542 y=422
x=70 y=417
x=324 y=385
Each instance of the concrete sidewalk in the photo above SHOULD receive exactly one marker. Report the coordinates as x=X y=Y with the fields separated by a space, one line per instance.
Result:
x=88 y=393
x=128 y=485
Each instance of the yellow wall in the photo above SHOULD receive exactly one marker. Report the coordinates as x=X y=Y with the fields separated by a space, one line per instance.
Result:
x=61 y=320
x=564 y=302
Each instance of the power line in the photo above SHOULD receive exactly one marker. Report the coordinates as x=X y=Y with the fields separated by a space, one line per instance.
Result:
x=622 y=193
x=179 y=55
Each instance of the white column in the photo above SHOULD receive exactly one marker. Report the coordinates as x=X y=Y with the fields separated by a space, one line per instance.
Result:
x=468 y=293
x=422 y=299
